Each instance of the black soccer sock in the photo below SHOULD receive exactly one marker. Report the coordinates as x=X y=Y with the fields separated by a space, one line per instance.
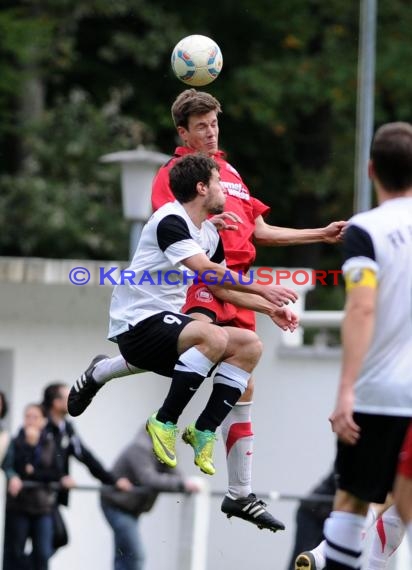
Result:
x=229 y=383
x=189 y=373
x=221 y=402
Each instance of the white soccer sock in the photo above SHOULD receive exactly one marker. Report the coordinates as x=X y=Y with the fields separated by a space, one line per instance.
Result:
x=238 y=437
x=371 y=519
x=115 y=367
x=344 y=542
x=388 y=533
x=319 y=552
x=319 y=555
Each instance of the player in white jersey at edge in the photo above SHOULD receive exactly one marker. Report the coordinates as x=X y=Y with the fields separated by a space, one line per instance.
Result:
x=152 y=333
x=374 y=402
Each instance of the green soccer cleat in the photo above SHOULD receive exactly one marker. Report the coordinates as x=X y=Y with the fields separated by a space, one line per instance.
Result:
x=164 y=440
x=202 y=443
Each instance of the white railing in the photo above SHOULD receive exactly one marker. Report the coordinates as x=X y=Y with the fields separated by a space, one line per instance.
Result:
x=313 y=319
x=327 y=319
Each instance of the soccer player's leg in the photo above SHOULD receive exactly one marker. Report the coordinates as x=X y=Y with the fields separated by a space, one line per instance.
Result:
x=365 y=473
x=237 y=426
x=238 y=436
x=387 y=534
x=230 y=380
x=101 y=370
x=190 y=349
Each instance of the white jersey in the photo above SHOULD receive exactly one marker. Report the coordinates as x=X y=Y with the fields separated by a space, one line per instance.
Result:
x=381 y=240
x=158 y=280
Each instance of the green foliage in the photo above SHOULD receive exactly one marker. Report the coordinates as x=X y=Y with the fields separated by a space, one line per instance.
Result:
x=65 y=203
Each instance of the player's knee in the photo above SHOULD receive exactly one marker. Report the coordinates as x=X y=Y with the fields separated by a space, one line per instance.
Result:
x=253 y=346
x=216 y=339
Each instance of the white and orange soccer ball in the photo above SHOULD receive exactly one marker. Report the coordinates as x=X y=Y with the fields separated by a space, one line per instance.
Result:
x=197 y=60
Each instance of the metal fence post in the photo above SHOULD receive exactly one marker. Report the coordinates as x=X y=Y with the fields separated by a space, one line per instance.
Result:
x=194 y=530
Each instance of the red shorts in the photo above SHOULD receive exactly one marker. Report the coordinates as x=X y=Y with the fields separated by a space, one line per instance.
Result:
x=405 y=456
x=200 y=299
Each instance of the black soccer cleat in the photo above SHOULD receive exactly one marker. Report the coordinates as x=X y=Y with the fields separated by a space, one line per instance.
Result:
x=305 y=561
x=251 y=509
x=84 y=389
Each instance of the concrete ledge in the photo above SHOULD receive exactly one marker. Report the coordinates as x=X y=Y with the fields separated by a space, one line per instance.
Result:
x=50 y=271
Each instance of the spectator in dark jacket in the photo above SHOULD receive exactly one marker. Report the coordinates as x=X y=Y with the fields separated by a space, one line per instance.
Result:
x=68 y=442
x=4 y=435
x=139 y=465
x=31 y=457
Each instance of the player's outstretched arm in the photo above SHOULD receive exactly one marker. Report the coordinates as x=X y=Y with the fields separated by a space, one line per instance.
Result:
x=265 y=234
x=281 y=316
x=216 y=274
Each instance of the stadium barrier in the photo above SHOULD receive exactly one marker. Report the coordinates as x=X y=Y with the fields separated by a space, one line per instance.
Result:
x=195 y=515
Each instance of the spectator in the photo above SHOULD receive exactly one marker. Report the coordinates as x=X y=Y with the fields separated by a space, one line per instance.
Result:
x=122 y=510
x=4 y=435
x=69 y=444
x=31 y=457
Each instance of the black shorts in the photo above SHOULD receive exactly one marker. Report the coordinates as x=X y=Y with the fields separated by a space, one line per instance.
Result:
x=152 y=343
x=367 y=470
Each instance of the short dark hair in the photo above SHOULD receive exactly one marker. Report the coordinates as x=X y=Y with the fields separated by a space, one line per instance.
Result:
x=4 y=408
x=187 y=172
x=391 y=154
x=191 y=102
x=51 y=393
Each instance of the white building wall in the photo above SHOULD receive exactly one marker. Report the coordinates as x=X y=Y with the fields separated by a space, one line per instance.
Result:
x=50 y=332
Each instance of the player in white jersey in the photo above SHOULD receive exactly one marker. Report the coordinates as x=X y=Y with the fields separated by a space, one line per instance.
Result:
x=152 y=333
x=374 y=401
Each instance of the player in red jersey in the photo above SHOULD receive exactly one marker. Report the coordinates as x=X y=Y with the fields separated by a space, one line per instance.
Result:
x=195 y=115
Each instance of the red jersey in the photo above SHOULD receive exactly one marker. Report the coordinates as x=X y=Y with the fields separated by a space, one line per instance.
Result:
x=240 y=252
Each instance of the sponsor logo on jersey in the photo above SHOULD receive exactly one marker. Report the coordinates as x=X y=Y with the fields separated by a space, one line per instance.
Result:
x=204 y=295
x=235 y=189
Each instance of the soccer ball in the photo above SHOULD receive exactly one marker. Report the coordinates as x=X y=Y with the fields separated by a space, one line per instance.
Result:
x=197 y=60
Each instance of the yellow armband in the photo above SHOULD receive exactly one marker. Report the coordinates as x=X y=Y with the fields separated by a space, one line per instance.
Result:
x=360 y=278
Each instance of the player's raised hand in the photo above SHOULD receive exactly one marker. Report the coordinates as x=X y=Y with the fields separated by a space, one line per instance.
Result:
x=285 y=319
x=278 y=295
x=335 y=231
x=222 y=221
